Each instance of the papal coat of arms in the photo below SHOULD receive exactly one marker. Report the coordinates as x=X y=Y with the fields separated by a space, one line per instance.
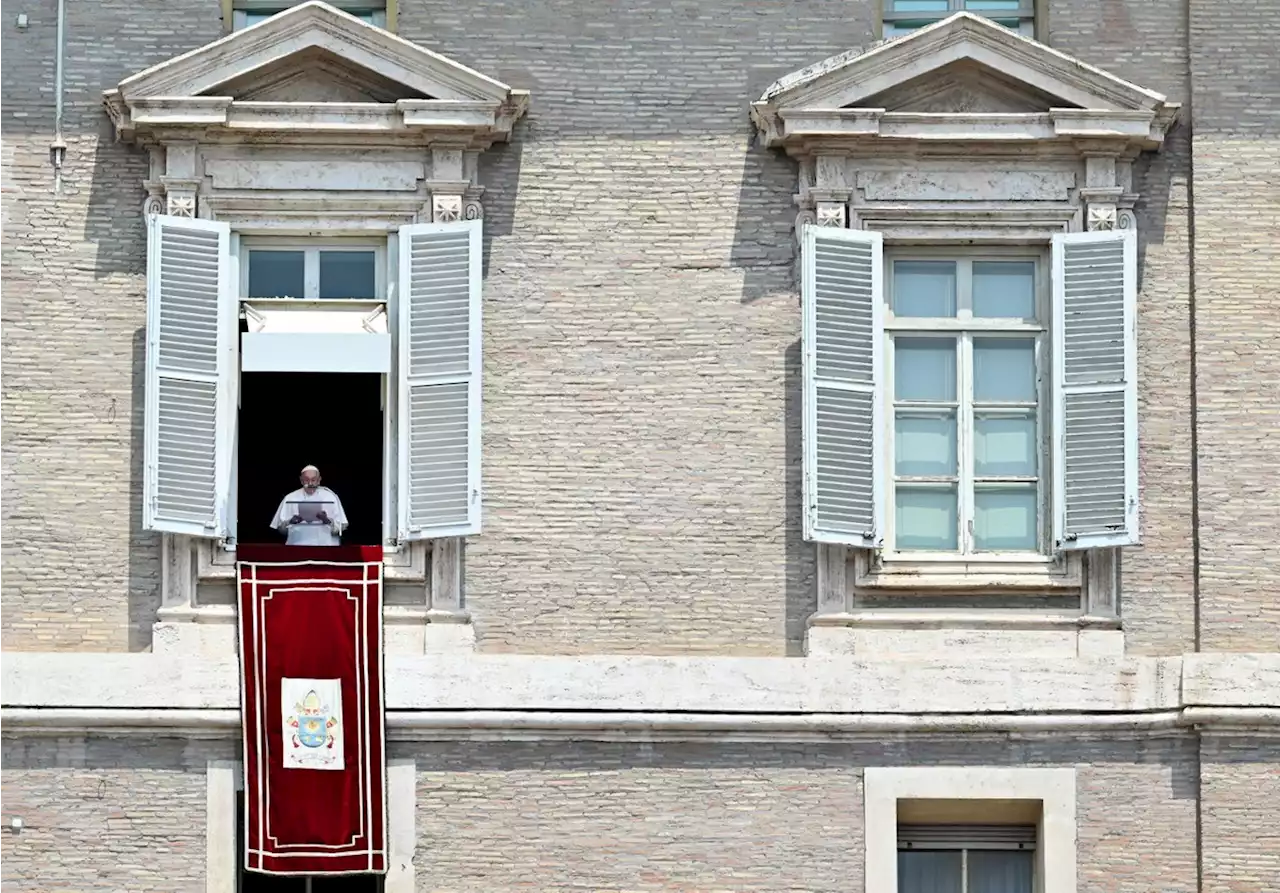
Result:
x=312 y=729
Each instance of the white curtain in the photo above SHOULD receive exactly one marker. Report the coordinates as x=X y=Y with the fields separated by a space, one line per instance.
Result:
x=924 y=871
x=994 y=871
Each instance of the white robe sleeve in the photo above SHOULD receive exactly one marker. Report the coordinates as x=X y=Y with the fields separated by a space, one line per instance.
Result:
x=338 y=522
x=281 y=520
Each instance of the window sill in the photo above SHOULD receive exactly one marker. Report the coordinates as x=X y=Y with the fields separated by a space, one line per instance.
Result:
x=960 y=575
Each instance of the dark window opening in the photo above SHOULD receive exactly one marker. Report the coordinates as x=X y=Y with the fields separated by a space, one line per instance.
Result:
x=257 y=882
x=290 y=419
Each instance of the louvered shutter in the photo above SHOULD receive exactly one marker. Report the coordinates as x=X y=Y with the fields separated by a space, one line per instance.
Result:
x=1095 y=430
x=439 y=379
x=842 y=299
x=191 y=343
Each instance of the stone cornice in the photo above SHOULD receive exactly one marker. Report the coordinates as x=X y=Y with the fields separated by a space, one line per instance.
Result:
x=313 y=24
x=824 y=103
x=846 y=79
x=171 y=100
x=509 y=697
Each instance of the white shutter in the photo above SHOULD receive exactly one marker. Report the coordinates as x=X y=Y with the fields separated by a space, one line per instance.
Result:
x=439 y=379
x=191 y=342
x=843 y=310
x=1095 y=400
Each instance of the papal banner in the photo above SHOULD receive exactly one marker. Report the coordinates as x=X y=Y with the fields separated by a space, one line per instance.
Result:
x=312 y=702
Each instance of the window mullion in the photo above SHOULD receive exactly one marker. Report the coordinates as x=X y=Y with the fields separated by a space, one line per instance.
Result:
x=964 y=452
x=311 y=273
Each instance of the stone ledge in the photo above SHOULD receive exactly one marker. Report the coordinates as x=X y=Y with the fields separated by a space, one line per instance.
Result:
x=662 y=684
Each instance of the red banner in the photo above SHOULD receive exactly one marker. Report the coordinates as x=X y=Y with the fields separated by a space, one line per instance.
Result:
x=312 y=702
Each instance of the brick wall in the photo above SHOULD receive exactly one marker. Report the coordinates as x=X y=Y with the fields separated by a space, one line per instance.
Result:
x=748 y=817
x=104 y=814
x=642 y=441
x=1240 y=787
x=1236 y=97
x=79 y=572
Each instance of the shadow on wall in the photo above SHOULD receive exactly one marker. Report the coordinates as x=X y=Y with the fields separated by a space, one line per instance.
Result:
x=114 y=222
x=802 y=593
x=144 y=547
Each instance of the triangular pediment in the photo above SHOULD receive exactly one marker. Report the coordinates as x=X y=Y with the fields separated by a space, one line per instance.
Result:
x=319 y=45
x=964 y=78
x=316 y=75
x=964 y=47
x=964 y=87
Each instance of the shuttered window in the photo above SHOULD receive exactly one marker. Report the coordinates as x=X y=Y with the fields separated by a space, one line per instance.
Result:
x=191 y=331
x=1096 y=395
x=439 y=379
x=843 y=328
x=953 y=408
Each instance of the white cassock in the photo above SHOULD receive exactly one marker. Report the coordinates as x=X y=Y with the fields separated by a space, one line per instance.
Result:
x=312 y=534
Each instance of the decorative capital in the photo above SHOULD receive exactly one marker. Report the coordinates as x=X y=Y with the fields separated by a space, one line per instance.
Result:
x=446 y=208
x=1101 y=218
x=832 y=214
x=182 y=204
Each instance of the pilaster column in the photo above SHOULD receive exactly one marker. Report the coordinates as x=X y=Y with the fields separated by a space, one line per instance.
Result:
x=455 y=194
x=448 y=622
x=181 y=179
x=1101 y=193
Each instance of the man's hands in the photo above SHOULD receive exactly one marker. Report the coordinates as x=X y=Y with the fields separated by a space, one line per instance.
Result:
x=322 y=516
x=296 y=519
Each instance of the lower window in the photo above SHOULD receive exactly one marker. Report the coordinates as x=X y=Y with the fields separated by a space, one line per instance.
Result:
x=966 y=858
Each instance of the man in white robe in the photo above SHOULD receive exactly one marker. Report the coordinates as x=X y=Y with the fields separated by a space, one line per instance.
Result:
x=311 y=516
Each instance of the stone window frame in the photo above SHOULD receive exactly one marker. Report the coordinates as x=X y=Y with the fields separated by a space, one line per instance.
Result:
x=1054 y=788
x=228 y=10
x=1039 y=21
x=225 y=778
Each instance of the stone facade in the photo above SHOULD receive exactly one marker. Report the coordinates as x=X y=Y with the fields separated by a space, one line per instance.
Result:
x=643 y=481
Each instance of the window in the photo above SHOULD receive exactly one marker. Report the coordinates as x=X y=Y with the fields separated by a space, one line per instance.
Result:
x=403 y=367
x=966 y=345
x=246 y=13
x=974 y=407
x=905 y=16
x=966 y=858
x=970 y=829
x=333 y=270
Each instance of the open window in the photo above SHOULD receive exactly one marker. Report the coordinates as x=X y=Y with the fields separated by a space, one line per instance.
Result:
x=360 y=357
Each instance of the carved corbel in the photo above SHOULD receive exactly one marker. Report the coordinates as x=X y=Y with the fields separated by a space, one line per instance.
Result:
x=454 y=193
x=154 y=184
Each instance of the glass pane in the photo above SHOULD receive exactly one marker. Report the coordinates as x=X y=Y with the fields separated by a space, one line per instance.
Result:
x=992 y=5
x=1001 y=872
x=923 y=871
x=1004 y=518
x=1004 y=289
x=924 y=288
x=347 y=274
x=926 y=517
x=919 y=6
x=924 y=368
x=897 y=29
x=1004 y=444
x=924 y=443
x=276 y=274
x=1004 y=369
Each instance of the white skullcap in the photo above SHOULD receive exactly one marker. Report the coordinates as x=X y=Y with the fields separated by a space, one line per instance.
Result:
x=309 y=468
